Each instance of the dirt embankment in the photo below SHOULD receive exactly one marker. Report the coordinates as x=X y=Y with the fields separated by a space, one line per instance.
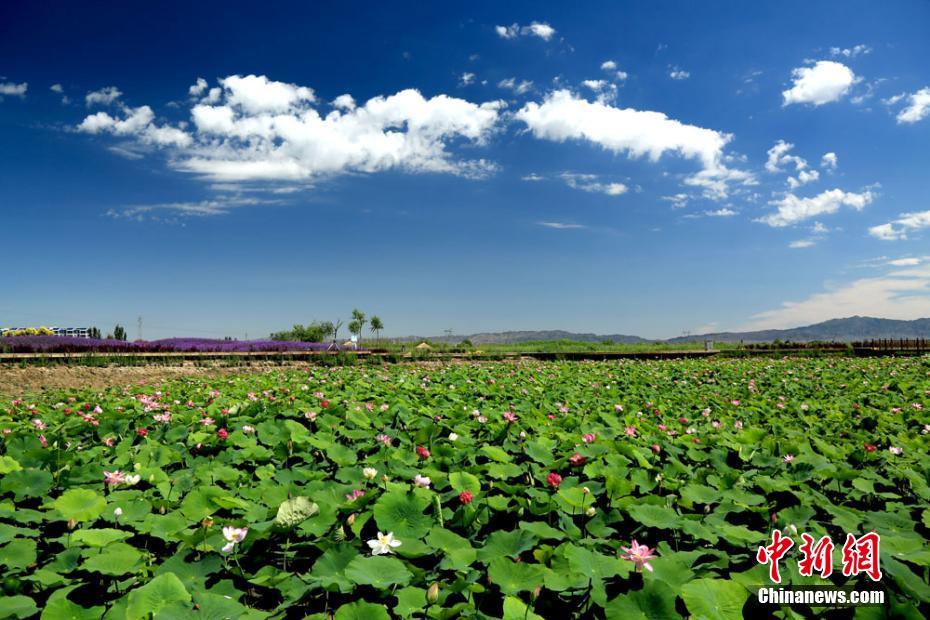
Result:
x=30 y=380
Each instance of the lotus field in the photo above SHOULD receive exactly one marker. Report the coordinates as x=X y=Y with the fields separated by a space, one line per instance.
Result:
x=485 y=490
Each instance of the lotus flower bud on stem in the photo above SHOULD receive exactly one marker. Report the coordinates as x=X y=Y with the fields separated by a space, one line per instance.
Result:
x=432 y=595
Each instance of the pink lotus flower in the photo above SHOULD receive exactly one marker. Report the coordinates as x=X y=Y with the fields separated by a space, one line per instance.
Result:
x=207 y=421
x=43 y=441
x=640 y=555
x=39 y=424
x=656 y=448
x=788 y=458
x=715 y=424
x=383 y=439
x=589 y=438
x=869 y=447
x=422 y=452
x=735 y=403
x=895 y=450
x=738 y=424
x=577 y=460
x=618 y=408
x=630 y=431
x=422 y=481
x=223 y=434
x=164 y=418
x=510 y=416
x=113 y=478
x=466 y=497
x=554 y=480
x=354 y=495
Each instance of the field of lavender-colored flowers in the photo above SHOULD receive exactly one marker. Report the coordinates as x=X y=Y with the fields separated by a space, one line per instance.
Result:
x=66 y=344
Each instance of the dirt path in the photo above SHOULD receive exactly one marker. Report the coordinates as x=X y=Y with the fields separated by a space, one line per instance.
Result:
x=20 y=381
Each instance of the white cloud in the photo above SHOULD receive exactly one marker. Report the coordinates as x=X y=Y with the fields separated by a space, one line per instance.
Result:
x=466 y=79
x=590 y=183
x=898 y=229
x=805 y=176
x=609 y=65
x=829 y=161
x=344 y=102
x=561 y=225
x=104 y=96
x=204 y=208
x=677 y=73
x=906 y=262
x=256 y=94
x=533 y=177
x=519 y=88
x=56 y=88
x=918 y=107
x=851 y=52
x=792 y=209
x=606 y=91
x=900 y=294
x=564 y=116
x=537 y=29
x=725 y=212
x=826 y=81
x=255 y=129
x=198 y=88
x=14 y=90
x=679 y=201
x=802 y=243
x=778 y=156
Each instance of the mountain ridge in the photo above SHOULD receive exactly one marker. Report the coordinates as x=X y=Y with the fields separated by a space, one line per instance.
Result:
x=848 y=329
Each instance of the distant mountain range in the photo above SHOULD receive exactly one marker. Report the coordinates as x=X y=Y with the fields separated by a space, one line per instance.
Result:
x=836 y=330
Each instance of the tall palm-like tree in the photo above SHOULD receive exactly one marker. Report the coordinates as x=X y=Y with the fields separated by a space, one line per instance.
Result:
x=376 y=326
x=359 y=317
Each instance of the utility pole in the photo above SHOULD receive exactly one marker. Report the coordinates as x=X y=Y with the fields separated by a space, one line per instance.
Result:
x=139 y=330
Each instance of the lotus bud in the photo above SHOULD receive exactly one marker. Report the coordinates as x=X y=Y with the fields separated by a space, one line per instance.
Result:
x=432 y=595
x=591 y=511
x=72 y=524
x=350 y=520
x=585 y=490
x=207 y=522
x=162 y=510
x=137 y=466
x=535 y=593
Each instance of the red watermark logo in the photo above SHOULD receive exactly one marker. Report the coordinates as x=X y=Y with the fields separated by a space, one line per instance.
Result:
x=860 y=555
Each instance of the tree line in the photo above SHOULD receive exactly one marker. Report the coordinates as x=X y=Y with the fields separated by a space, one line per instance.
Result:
x=321 y=331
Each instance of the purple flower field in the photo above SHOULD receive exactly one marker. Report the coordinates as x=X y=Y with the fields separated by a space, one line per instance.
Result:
x=68 y=344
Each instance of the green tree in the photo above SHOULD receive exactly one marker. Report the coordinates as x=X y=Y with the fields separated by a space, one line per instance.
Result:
x=376 y=326
x=119 y=333
x=355 y=327
x=359 y=318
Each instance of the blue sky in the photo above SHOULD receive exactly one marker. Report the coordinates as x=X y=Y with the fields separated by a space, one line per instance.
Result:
x=648 y=168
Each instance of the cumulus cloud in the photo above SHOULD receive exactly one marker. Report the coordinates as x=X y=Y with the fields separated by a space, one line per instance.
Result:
x=899 y=228
x=56 y=88
x=826 y=81
x=609 y=65
x=725 y=212
x=518 y=87
x=851 y=52
x=677 y=73
x=466 y=79
x=899 y=294
x=829 y=161
x=104 y=96
x=802 y=243
x=13 y=90
x=605 y=91
x=198 y=88
x=256 y=129
x=563 y=116
x=780 y=155
x=791 y=209
x=918 y=106
x=591 y=183
x=137 y=123
x=535 y=29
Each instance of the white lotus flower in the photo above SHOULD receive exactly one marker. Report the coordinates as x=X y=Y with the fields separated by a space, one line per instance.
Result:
x=369 y=473
x=384 y=543
x=422 y=481
x=453 y=436
x=235 y=534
